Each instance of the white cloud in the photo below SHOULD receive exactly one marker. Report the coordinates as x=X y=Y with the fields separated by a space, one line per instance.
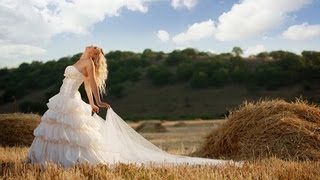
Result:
x=21 y=22
x=302 y=32
x=79 y=16
x=163 y=35
x=32 y=23
x=196 y=32
x=253 y=50
x=35 y=21
x=183 y=3
x=250 y=18
x=246 y=19
x=12 y=55
x=20 y=49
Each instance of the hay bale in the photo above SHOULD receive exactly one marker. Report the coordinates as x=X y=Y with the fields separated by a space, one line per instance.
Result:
x=152 y=126
x=263 y=129
x=17 y=129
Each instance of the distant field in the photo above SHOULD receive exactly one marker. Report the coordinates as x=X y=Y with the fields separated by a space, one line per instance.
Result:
x=183 y=137
x=179 y=101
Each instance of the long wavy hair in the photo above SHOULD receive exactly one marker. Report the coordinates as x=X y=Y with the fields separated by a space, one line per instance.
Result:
x=101 y=71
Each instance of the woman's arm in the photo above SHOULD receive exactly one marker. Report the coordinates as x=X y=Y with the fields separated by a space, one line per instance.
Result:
x=94 y=86
x=87 y=87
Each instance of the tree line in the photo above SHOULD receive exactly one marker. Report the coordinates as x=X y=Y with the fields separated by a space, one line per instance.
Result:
x=266 y=70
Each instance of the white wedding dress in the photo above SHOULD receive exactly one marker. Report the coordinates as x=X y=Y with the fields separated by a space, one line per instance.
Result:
x=69 y=134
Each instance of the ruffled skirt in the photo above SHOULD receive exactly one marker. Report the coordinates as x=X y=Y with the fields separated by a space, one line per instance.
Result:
x=68 y=134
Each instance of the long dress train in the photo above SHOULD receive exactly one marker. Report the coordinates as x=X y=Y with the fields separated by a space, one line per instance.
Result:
x=68 y=134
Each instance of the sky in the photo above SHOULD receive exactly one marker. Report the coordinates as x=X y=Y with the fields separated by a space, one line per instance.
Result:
x=50 y=29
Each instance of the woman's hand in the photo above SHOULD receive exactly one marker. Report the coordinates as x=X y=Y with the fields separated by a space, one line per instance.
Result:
x=103 y=104
x=95 y=108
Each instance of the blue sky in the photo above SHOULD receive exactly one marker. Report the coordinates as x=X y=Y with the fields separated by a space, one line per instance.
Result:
x=50 y=29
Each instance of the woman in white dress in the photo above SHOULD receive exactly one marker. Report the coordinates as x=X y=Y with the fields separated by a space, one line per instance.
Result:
x=69 y=134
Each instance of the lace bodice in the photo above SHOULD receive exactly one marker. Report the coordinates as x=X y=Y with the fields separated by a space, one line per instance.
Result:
x=72 y=81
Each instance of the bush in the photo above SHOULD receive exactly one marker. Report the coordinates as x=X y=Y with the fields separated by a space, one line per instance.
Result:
x=312 y=58
x=290 y=61
x=159 y=75
x=176 y=57
x=134 y=75
x=147 y=54
x=184 y=71
x=219 y=77
x=199 y=80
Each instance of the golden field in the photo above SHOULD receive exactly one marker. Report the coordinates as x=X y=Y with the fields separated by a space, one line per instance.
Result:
x=12 y=167
x=180 y=137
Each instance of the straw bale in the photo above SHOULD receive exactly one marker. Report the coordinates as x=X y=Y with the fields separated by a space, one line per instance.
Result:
x=267 y=128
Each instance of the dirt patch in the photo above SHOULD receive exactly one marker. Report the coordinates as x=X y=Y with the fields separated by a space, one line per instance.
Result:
x=179 y=124
x=153 y=126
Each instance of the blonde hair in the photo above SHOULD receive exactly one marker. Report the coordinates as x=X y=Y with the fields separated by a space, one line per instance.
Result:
x=101 y=72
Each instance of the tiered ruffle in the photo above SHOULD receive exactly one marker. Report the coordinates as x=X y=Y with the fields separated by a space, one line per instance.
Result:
x=65 y=104
x=67 y=134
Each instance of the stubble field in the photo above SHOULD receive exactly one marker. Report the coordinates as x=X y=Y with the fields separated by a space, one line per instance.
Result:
x=180 y=137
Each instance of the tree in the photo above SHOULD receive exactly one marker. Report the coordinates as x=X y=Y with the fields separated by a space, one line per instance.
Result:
x=237 y=51
x=190 y=52
x=312 y=57
x=176 y=57
x=159 y=75
x=263 y=55
x=199 y=80
x=184 y=71
x=147 y=54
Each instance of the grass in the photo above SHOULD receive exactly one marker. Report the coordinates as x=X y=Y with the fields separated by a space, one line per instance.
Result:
x=17 y=129
x=12 y=167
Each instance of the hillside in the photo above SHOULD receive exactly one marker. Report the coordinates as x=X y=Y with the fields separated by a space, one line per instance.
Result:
x=182 y=84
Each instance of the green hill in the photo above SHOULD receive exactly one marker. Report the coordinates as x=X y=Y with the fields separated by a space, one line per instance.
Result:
x=182 y=84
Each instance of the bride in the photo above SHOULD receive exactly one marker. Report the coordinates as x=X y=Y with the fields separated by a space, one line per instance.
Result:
x=69 y=134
